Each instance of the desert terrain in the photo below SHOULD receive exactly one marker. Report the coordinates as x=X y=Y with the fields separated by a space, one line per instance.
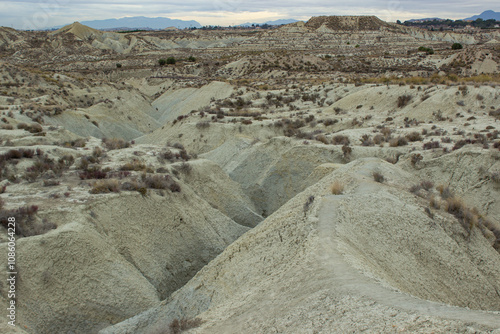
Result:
x=339 y=175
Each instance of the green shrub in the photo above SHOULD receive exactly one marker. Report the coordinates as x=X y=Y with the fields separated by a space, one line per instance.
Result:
x=162 y=62
x=171 y=61
x=456 y=46
x=429 y=51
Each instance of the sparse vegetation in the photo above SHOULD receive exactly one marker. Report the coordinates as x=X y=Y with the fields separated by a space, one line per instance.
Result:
x=27 y=224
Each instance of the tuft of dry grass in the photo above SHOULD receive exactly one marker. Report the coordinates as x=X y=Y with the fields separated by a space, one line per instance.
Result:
x=337 y=188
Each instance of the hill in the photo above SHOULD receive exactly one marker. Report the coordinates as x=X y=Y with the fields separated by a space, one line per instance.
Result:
x=486 y=15
x=347 y=23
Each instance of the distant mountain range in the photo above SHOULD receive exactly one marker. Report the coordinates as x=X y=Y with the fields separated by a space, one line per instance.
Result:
x=486 y=15
x=139 y=22
x=273 y=23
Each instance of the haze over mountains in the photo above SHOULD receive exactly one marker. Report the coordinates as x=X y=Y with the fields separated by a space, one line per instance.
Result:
x=156 y=23
x=139 y=22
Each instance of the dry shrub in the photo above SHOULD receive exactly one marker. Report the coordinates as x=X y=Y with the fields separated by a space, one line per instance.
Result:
x=434 y=203
x=80 y=142
x=115 y=143
x=400 y=141
x=378 y=139
x=378 y=177
x=366 y=140
x=135 y=165
x=430 y=145
x=415 y=189
x=427 y=185
x=488 y=226
x=346 y=150
x=468 y=218
x=414 y=136
x=330 y=121
x=105 y=186
x=50 y=183
x=445 y=191
x=134 y=185
x=203 y=125
x=184 y=168
x=35 y=128
x=340 y=140
x=415 y=158
x=322 y=138
x=26 y=223
x=337 y=188
x=161 y=182
x=97 y=152
x=403 y=100
x=453 y=205
x=495 y=177
x=392 y=160
x=93 y=173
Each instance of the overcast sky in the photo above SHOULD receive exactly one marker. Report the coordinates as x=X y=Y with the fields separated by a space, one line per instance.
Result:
x=38 y=14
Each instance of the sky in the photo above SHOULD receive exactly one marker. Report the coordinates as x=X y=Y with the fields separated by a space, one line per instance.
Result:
x=40 y=14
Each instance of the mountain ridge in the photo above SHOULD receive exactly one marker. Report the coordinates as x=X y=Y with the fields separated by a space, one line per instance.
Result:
x=138 y=22
x=486 y=15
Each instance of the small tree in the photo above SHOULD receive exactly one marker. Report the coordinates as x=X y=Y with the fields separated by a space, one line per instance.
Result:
x=456 y=46
x=192 y=59
x=162 y=62
x=171 y=60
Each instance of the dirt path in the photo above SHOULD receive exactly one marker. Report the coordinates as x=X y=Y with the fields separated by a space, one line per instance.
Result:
x=353 y=282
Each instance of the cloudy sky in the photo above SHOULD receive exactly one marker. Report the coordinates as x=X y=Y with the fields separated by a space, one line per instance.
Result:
x=38 y=14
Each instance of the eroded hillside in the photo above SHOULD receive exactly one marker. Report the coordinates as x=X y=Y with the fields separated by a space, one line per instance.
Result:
x=328 y=176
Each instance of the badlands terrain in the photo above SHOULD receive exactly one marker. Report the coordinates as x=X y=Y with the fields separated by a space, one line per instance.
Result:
x=340 y=175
